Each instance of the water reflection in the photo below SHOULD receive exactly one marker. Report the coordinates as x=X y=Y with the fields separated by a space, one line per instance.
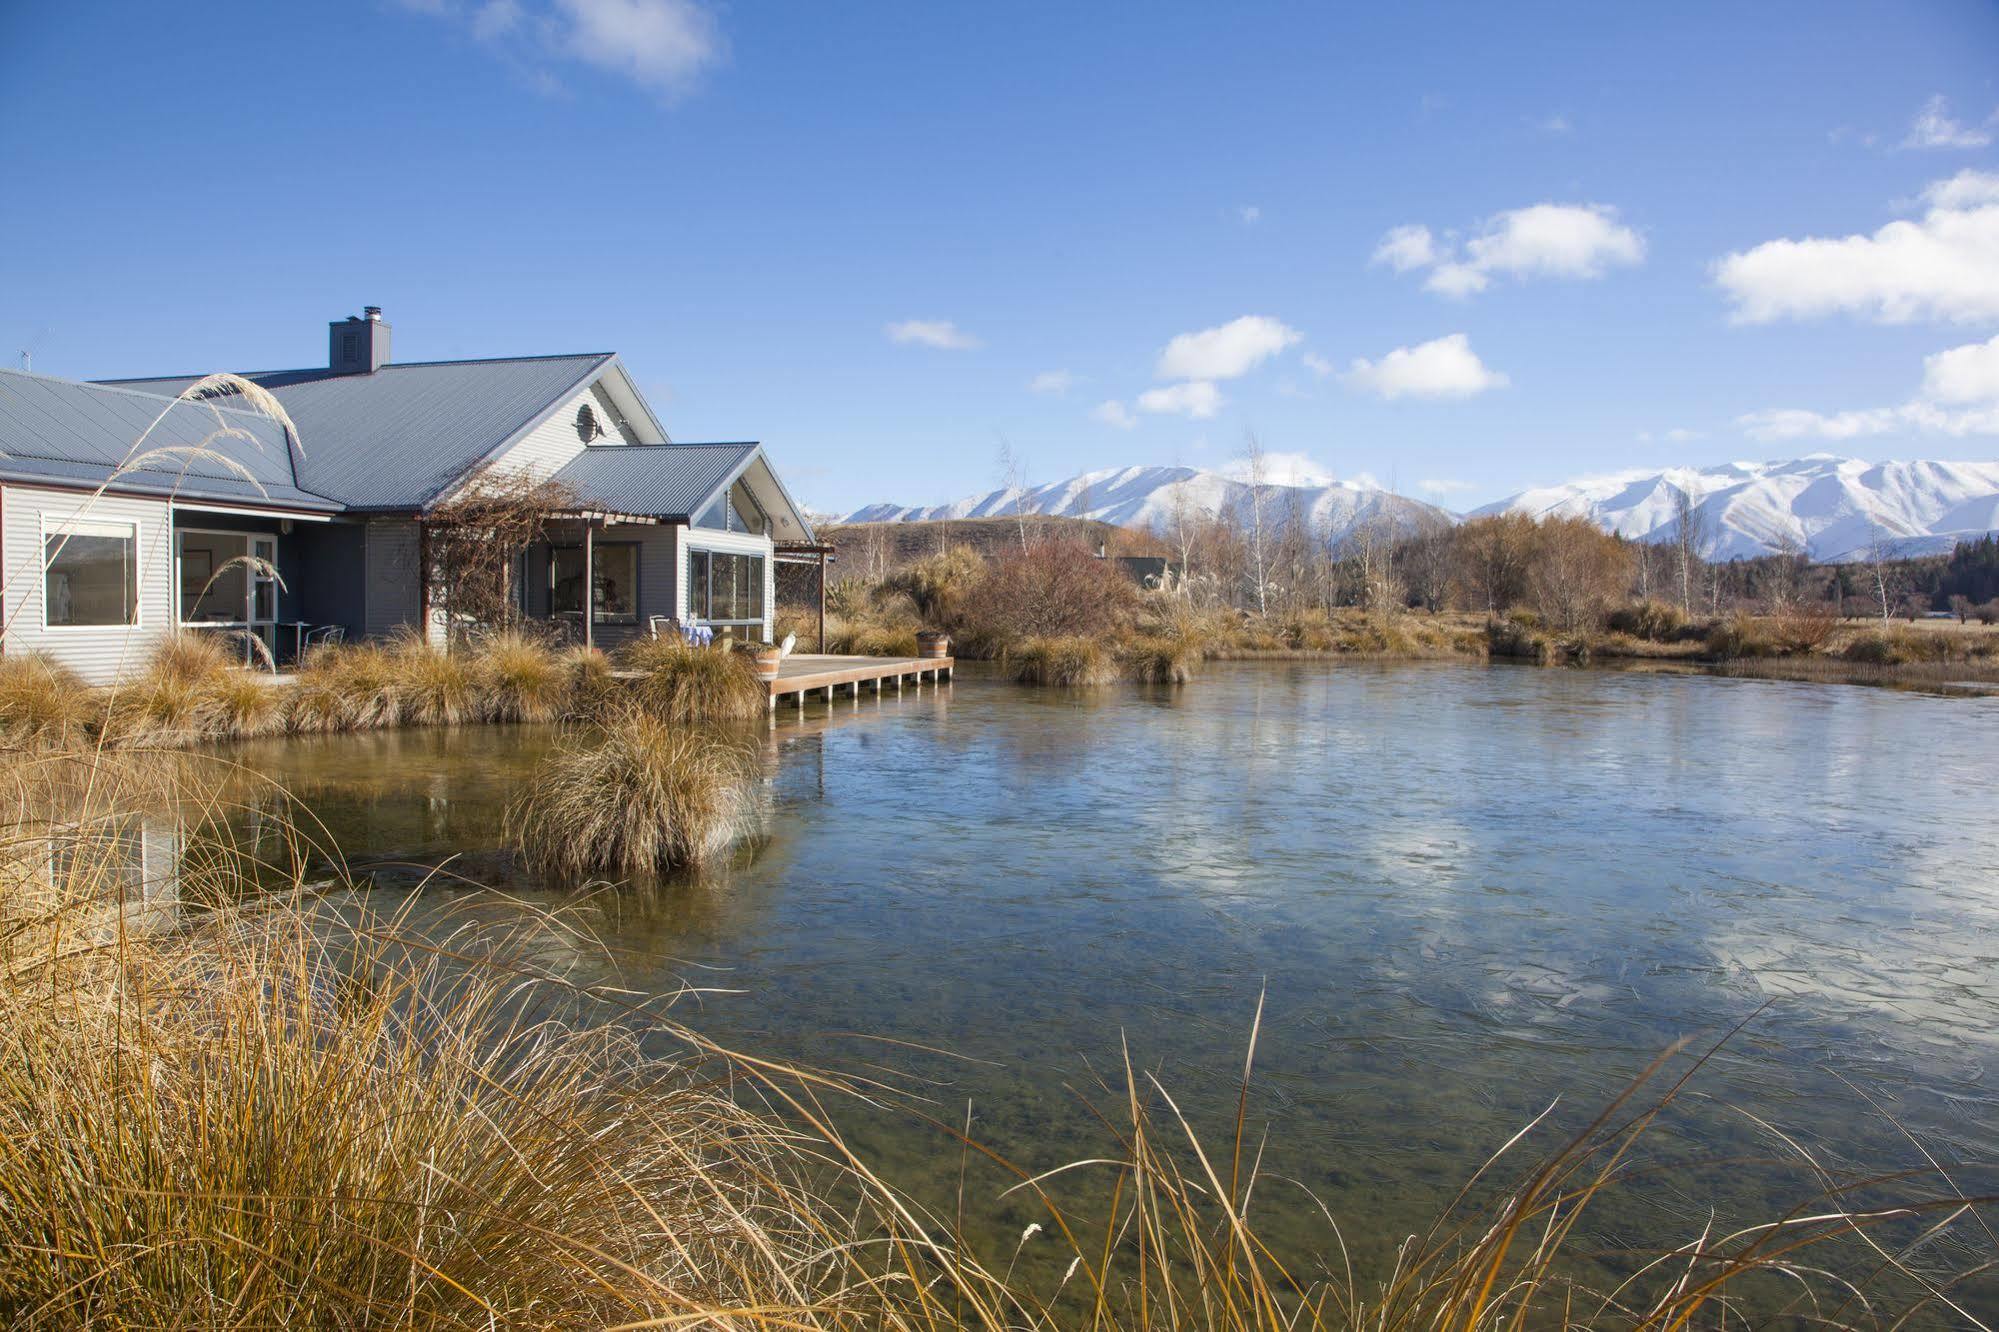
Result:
x=1465 y=889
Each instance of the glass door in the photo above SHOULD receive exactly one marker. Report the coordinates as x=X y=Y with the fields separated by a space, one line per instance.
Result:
x=263 y=606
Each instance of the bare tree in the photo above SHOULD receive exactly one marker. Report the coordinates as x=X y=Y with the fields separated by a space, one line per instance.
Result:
x=1882 y=552
x=1013 y=480
x=1253 y=459
x=1689 y=544
x=1182 y=525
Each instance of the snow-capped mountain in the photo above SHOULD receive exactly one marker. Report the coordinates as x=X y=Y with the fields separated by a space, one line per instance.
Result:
x=1155 y=497
x=1835 y=508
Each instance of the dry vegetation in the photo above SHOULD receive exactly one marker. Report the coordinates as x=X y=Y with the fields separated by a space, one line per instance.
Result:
x=227 y=1107
x=192 y=691
x=1558 y=590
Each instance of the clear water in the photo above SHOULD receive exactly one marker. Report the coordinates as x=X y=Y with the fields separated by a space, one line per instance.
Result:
x=1464 y=890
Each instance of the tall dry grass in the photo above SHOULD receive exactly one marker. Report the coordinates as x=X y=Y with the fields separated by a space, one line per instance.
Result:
x=686 y=684
x=635 y=794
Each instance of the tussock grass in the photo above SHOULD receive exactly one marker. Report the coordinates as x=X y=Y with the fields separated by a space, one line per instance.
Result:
x=684 y=684
x=520 y=679
x=636 y=795
x=433 y=687
x=44 y=704
x=1069 y=662
x=301 y=1112
x=1652 y=620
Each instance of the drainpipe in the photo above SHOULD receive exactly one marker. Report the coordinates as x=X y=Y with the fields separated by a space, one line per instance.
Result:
x=589 y=584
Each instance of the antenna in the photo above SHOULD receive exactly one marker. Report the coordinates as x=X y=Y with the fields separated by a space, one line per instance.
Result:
x=27 y=359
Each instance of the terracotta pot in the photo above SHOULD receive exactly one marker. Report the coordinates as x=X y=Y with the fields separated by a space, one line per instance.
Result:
x=933 y=645
x=766 y=660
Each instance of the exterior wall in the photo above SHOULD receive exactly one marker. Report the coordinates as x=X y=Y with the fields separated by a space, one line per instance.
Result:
x=550 y=446
x=707 y=538
x=324 y=565
x=99 y=655
x=392 y=564
x=660 y=591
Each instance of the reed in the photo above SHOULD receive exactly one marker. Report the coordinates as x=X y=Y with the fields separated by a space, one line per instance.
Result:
x=637 y=795
x=683 y=684
x=1070 y=662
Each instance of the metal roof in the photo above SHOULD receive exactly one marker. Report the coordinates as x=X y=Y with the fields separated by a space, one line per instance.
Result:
x=65 y=432
x=396 y=438
x=664 y=480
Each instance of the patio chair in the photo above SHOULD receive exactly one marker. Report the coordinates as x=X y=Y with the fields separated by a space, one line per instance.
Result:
x=660 y=625
x=325 y=636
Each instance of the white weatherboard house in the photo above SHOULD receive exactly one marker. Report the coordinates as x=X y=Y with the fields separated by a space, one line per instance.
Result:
x=104 y=551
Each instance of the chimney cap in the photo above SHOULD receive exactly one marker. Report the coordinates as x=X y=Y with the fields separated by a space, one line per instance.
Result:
x=372 y=313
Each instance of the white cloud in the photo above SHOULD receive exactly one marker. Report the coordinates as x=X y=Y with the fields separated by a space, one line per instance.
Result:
x=1198 y=399
x=1541 y=240
x=1959 y=396
x=1943 y=265
x=1278 y=469
x=1113 y=413
x=1555 y=124
x=1250 y=214
x=1318 y=364
x=1933 y=127
x=662 y=45
x=1963 y=374
x=1404 y=248
x=1446 y=367
x=1052 y=381
x=1443 y=486
x=941 y=333
x=1226 y=352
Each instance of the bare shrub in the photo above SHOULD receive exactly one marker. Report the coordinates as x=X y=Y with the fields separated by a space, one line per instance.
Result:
x=1050 y=590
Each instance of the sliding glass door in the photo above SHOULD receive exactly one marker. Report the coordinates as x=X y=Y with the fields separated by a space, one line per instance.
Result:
x=227 y=584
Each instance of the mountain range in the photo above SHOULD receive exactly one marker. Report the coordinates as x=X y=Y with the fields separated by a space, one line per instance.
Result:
x=1834 y=508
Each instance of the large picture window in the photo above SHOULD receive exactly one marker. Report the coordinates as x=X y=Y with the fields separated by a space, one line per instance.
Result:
x=91 y=574
x=725 y=588
x=616 y=566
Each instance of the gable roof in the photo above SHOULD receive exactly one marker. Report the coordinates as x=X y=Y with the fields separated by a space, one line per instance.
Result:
x=65 y=432
x=674 y=481
x=400 y=436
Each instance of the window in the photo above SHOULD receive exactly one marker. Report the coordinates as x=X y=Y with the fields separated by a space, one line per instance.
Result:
x=92 y=574
x=737 y=511
x=722 y=587
x=616 y=565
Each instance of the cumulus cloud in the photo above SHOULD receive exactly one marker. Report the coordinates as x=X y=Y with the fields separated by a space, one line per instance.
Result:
x=1404 y=248
x=1540 y=241
x=1942 y=266
x=1959 y=396
x=941 y=333
x=1318 y=364
x=1197 y=398
x=1250 y=214
x=1226 y=352
x=661 y=45
x=1052 y=381
x=1934 y=127
x=1445 y=367
x=1113 y=413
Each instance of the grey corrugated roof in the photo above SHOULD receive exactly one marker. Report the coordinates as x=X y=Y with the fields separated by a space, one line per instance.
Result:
x=396 y=438
x=658 y=480
x=87 y=434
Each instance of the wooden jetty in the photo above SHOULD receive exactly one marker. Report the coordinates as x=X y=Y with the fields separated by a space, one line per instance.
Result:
x=803 y=672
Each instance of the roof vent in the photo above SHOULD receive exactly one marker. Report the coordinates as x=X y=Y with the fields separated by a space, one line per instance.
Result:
x=358 y=345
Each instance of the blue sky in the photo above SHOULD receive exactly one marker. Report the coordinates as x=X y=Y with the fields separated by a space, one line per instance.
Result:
x=863 y=233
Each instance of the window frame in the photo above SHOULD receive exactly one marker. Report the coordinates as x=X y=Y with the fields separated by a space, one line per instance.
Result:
x=762 y=558
x=598 y=548
x=65 y=528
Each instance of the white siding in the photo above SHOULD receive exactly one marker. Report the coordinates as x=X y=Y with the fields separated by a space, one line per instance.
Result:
x=392 y=593
x=548 y=447
x=99 y=655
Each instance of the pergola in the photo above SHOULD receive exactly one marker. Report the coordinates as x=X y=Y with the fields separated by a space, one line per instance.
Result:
x=818 y=553
x=592 y=519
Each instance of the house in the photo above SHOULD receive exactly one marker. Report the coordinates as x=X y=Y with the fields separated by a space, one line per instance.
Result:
x=104 y=549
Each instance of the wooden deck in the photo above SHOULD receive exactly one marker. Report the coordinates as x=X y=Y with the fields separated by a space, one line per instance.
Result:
x=803 y=672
